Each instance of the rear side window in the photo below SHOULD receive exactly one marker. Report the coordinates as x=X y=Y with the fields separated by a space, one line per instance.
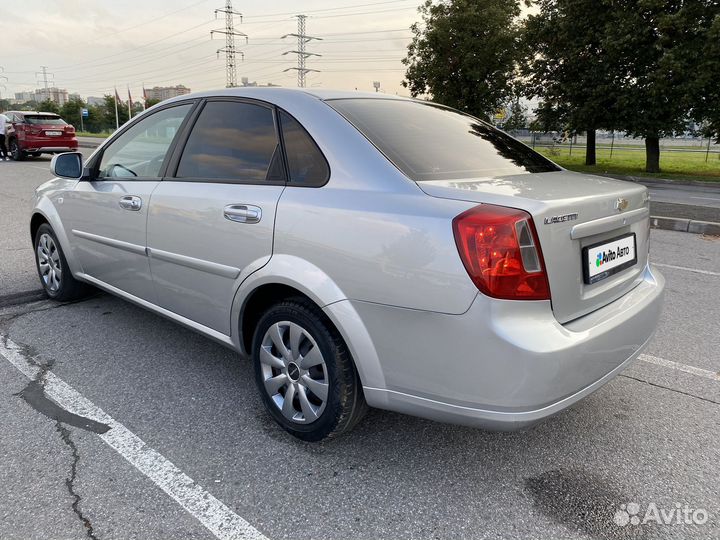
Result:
x=306 y=164
x=430 y=142
x=44 y=119
x=232 y=141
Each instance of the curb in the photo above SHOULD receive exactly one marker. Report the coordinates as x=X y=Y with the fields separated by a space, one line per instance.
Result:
x=88 y=145
x=685 y=225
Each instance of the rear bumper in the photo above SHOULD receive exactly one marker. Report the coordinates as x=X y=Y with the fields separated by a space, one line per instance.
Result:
x=505 y=364
x=50 y=147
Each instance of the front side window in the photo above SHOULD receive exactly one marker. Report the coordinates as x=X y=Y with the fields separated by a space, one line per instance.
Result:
x=306 y=164
x=232 y=141
x=140 y=151
x=429 y=142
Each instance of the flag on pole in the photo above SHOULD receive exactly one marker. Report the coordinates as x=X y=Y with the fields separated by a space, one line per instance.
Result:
x=130 y=101
x=117 y=117
x=144 y=98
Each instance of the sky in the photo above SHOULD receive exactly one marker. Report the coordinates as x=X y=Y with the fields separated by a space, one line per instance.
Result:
x=93 y=46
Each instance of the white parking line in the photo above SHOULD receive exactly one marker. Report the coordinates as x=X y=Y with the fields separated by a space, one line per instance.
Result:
x=212 y=513
x=699 y=372
x=696 y=270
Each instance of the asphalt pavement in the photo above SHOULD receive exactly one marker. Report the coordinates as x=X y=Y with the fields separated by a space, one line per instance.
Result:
x=182 y=448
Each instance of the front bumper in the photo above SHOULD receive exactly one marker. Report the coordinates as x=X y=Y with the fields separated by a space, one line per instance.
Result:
x=504 y=364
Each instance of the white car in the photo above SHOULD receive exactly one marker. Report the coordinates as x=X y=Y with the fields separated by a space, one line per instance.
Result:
x=362 y=249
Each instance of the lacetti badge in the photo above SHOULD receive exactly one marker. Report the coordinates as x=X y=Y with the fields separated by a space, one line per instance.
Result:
x=561 y=219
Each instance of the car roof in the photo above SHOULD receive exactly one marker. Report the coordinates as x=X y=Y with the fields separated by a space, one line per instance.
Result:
x=268 y=93
x=34 y=112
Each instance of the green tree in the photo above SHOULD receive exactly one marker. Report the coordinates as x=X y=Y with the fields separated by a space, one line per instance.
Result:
x=518 y=119
x=70 y=111
x=566 y=66
x=706 y=83
x=659 y=47
x=150 y=102
x=110 y=112
x=48 y=106
x=464 y=53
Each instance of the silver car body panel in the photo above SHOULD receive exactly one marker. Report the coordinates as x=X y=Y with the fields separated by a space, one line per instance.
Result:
x=376 y=252
x=197 y=255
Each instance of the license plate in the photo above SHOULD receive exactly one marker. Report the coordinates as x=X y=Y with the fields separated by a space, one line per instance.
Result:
x=53 y=133
x=606 y=258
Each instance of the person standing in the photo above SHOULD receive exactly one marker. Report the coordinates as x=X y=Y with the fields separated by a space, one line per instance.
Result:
x=3 y=129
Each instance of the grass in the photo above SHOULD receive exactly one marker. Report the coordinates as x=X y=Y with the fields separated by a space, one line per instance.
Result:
x=674 y=165
x=88 y=134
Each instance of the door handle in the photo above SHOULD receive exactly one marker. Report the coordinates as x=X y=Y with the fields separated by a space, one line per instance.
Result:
x=243 y=213
x=131 y=202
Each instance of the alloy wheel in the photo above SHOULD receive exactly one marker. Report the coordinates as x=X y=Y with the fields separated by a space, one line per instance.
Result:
x=49 y=263
x=294 y=372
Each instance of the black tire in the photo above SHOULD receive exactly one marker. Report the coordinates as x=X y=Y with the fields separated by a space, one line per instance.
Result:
x=345 y=404
x=69 y=288
x=15 y=152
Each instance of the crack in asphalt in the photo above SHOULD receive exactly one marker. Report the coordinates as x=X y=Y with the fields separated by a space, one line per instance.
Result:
x=670 y=389
x=34 y=395
x=70 y=481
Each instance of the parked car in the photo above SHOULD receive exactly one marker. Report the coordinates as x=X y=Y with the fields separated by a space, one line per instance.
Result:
x=361 y=250
x=35 y=133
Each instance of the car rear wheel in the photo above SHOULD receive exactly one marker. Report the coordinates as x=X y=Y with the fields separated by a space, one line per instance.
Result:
x=52 y=267
x=305 y=372
x=15 y=152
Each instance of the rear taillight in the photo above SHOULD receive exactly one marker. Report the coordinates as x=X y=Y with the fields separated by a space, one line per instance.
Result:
x=501 y=252
x=69 y=129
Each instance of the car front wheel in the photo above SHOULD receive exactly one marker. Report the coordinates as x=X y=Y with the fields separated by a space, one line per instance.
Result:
x=305 y=372
x=52 y=267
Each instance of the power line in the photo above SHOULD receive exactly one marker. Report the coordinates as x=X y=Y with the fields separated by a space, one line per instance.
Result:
x=229 y=50
x=302 y=54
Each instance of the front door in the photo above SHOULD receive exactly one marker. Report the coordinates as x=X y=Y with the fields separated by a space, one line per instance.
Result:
x=108 y=216
x=212 y=223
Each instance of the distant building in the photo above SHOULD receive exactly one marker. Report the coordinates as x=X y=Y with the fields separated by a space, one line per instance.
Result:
x=161 y=93
x=22 y=97
x=58 y=95
x=244 y=81
x=95 y=101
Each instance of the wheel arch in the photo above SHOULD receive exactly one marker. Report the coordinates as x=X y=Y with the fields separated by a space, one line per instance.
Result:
x=45 y=212
x=288 y=276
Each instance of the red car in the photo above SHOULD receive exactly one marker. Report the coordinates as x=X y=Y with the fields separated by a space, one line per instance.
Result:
x=34 y=133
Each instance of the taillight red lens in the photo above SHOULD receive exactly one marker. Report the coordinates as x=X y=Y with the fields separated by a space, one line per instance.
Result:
x=69 y=129
x=501 y=252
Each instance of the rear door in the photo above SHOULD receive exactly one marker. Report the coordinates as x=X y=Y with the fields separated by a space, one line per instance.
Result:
x=107 y=216
x=212 y=221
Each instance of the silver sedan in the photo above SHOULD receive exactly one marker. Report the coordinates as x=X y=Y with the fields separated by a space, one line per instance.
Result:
x=361 y=249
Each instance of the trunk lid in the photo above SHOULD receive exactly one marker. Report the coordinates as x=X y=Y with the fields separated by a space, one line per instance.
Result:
x=571 y=212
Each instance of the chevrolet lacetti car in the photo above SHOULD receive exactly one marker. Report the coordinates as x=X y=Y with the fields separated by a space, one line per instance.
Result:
x=361 y=250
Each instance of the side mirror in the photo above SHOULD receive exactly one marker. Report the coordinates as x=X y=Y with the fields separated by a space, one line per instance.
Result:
x=67 y=165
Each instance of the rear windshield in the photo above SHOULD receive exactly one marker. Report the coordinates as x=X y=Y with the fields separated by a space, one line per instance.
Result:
x=44 y=119
x=431 y=142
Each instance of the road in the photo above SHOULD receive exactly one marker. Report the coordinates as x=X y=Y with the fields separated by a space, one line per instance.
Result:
x=191 y=450
x=692 y=195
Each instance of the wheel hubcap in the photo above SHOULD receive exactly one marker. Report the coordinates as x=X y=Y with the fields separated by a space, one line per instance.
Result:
x=49 y=263
x=294 y=372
